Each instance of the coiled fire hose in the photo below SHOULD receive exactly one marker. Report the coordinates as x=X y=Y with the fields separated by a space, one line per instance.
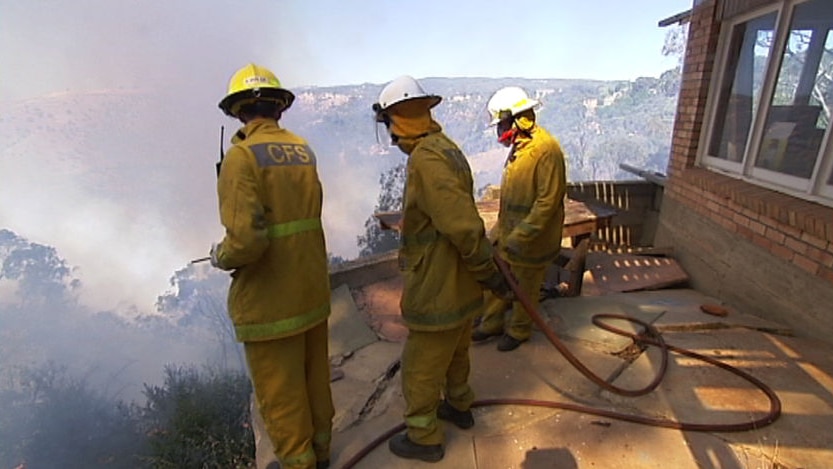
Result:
x=650 y=336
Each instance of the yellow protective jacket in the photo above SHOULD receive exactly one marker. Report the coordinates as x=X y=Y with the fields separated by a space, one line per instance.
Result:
x=444 y=252
x=532 y=194
x=270 y=205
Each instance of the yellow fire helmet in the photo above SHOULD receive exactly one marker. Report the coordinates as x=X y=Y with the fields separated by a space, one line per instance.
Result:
x=254 y=83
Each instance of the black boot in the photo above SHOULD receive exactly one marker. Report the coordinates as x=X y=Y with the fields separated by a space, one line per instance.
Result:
x=462 y=419
x=403 y=447
x=480 y=336
x=508 y=343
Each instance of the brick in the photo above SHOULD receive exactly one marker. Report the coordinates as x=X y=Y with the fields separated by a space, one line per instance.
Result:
x=758 y=228
x=813 y=241
x=789 y=230
x=782 y=252
x=776 y=236
x=727 y=224
x=806 y=263
x=745 y=232
x=740 y=219
x=795 y=245
x=826 y=259
x=750 y=214
x=815 y=254
x=762 y=241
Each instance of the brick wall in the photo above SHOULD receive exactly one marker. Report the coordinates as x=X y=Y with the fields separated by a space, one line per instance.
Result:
x=794 y=230
x=762 y=251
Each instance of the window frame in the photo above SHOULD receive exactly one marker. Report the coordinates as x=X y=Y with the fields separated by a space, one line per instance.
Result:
x=813 y=189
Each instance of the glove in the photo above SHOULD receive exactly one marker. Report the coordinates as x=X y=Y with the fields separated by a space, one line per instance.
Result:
x=215 y=250
x=499 y=286
x=512 y=246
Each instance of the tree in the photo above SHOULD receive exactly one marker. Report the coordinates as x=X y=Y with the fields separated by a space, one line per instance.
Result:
x=803 y=45
x=197 y=302
x=41 y=276
x=392 y=186
x=675 y=43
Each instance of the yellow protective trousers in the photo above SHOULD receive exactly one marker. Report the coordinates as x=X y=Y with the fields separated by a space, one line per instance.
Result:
x=530 y=280
x=435 y=362
x=291 y=378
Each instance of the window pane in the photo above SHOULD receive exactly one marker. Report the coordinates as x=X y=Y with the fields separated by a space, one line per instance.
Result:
x=740 y=91
x=800 y=111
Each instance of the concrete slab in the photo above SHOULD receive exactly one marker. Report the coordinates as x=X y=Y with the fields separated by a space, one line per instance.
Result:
x=348 y=328
x=364 y=372
x=681 y=307
x=794 y=369
x=537 y=370
x=572 y=441
x=573 y=317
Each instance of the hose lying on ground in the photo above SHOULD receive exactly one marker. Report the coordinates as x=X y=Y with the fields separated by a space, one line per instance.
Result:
x=649 y=336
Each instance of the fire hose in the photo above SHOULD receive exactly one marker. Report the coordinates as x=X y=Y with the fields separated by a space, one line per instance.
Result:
x=649 y=336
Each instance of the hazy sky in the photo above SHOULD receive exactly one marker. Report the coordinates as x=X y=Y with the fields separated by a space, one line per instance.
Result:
x=58 y=45
x=74 y=49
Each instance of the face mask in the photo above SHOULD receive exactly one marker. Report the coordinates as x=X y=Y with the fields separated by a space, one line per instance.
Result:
x=506 y=132
x=506 y=138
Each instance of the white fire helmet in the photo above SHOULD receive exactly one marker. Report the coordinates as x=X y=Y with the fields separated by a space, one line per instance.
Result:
x=509 y=102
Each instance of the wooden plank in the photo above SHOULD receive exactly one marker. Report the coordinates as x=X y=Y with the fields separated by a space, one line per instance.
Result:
x=613 y=273
x=579 y=217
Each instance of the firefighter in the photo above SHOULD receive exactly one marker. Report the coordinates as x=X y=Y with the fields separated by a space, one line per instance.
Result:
x=531 y=216
x=446 y=261
x=279 y=301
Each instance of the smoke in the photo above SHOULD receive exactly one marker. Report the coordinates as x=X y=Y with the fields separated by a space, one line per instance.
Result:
x=189 y=47
x=110 y=129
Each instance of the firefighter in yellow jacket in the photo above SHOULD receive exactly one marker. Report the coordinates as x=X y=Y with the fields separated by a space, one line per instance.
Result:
x=531 y=216
x=446 y=261
x=279 y=300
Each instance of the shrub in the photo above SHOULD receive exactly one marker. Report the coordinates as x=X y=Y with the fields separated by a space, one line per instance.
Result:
x=199 y=420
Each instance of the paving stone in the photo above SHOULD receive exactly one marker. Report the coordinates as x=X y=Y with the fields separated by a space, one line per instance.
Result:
x=348 y=328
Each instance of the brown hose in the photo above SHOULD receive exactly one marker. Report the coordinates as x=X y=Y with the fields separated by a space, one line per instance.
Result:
x=651 y=337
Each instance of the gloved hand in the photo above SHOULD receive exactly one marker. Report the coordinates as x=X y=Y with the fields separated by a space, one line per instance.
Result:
x=498 y=285
x=512 y=246
x=215 y=250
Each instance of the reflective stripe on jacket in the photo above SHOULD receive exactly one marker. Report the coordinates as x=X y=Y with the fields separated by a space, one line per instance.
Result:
x=532 y=192
x=444 y=251
x=270 y=205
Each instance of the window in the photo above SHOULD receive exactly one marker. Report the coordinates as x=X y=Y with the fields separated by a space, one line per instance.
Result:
x=770 y=115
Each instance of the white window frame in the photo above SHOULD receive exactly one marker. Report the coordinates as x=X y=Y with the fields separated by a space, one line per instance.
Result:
x=815 y=188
